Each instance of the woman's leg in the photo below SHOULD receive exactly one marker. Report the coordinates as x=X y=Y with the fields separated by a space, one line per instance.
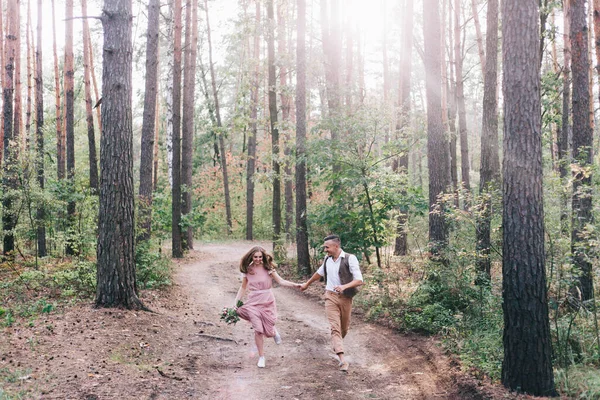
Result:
x=260 y=339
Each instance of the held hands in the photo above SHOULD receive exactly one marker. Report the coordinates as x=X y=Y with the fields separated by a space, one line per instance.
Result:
x=339 y=289
x=303 y=287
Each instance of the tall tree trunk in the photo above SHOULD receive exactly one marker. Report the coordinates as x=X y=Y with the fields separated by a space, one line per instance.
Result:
x=564 y=137
x=176 y=231
x=27 y=137
x=437 y=146
x=2 y=79
x=582 y=147
x=403 y=118
x=452 y=106
x=18 y=110
x=597 y=35
x=332 y=49
x=116 y=282
x=149 y=121
x=277 y=239
x=93 y=158
x=301 y=212
x=156 y=139
x=10 y=167
x=460 y=102
x=189 y=87
x=527 y=364
x=69 y=80
x=60 y=146
x=221 y=131
x=251 y=163
x=490 y=161
x=39 y=120
x=482 y=58
x=285 y=119
x=95 y=83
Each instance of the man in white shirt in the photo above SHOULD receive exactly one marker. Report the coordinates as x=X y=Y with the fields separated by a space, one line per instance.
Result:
x=342 y=277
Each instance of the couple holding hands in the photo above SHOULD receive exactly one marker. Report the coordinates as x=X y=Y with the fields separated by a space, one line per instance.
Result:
x=342 y=277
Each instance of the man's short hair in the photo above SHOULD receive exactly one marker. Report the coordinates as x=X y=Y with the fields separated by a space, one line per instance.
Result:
x=335 y=238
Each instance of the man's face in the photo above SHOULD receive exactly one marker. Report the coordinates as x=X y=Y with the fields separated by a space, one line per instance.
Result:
x=331 y=247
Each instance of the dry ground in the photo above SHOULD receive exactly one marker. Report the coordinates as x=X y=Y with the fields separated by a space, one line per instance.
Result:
x=183 y=351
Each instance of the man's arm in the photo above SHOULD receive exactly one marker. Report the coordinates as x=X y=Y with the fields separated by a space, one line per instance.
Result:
x=316 y=276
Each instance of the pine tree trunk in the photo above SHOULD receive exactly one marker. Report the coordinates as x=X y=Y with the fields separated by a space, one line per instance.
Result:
x=116 y=281
x=176 y=231
x=189 y=87
x=27 y=137
x=437 y=146
x=403 y=118
x=18 y=110
x=285 y=120
x=69 y=80
x=582 y=147
x=149 y=121
x=277 y=239
x=490 y=161
x=301 y=212
x=95 y=83
x=251 y=163
x=453 y=142
x=10 y=167
x=93 y=158
x=220 y=129
x=39 y=120
x=527 y=364
x=460 y=102
x=564 y=137
x=60 y=146
x=170 y=38
x=2 y=79
x=482 y=57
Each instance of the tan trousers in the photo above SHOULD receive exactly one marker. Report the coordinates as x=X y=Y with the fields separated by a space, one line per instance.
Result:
x=338 y=309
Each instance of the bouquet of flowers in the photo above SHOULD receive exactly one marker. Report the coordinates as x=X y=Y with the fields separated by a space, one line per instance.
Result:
x=230 y=315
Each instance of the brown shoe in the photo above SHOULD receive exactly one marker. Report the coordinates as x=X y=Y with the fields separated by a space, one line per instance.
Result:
x=344 y=366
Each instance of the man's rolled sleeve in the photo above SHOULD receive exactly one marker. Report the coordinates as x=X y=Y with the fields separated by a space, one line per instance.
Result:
x=355 y=268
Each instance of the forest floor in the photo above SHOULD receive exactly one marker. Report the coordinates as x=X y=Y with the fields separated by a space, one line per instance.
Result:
x=182 y=350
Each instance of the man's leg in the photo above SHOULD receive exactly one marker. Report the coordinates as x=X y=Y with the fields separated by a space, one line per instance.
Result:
x=332 y=310
x=345 y=305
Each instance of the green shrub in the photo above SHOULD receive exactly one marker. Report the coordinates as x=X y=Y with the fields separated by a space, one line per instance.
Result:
x=153 y=269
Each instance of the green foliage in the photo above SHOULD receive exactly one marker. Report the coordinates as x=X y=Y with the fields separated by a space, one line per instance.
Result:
x=153 y=269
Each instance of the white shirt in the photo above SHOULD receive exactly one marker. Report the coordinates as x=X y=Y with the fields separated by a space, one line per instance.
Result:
x=333 y=270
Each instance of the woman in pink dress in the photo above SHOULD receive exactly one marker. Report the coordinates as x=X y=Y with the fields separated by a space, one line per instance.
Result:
x=258 y=273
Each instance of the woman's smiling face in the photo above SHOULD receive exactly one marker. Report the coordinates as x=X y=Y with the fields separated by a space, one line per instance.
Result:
x=257 y=258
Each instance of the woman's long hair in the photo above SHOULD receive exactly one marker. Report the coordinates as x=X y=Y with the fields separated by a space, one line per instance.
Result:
x=247 y=259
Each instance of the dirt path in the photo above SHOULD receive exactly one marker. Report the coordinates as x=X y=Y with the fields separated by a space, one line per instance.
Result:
x=184 y=351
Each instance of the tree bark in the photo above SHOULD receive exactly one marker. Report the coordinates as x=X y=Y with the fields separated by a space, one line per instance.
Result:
x=93 y=158
x=149 y=121
x=460 y=102
x=490 y=161
x=274 y=129
x=286 y=106
x=27 y=137
x=452 y=107
x=69 y=79
x=189 y=87
x=60 y=145
x=437 y=146
x=176 y=231
x=582 y=148
x=482 y=57
x=565 y=133
x=116 y=281
x=2 y=79
x=251 y=163
x=301 y=212
x=527 y=364
x=403 y=118
x=39 y=120
x=10 y=168
x=18 y=110
x=220 y=129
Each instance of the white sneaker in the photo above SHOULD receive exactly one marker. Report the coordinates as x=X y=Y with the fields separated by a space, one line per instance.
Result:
x=261 y=362
x=277 y=338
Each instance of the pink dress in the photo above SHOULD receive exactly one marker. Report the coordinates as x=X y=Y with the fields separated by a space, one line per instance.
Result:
x=260 y=308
